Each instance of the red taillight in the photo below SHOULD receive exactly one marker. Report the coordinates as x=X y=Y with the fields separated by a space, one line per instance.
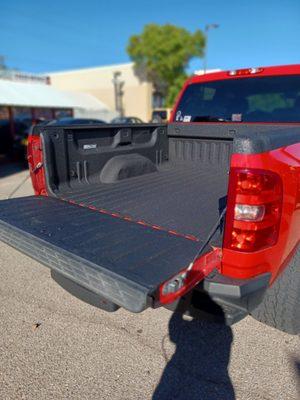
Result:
x=253 y=209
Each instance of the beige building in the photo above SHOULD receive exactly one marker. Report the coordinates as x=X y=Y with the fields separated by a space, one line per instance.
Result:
x=98 y=81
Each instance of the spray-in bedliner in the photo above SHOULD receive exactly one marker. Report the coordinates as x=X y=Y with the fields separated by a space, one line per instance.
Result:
x=184 y=198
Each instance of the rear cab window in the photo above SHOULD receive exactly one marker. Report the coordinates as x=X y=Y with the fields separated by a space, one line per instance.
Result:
x=256 y=99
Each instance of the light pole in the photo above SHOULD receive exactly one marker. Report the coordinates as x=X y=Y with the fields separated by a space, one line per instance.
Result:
x=206 y=29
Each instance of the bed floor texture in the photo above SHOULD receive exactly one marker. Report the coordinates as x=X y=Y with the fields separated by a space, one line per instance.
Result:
x=186 y=198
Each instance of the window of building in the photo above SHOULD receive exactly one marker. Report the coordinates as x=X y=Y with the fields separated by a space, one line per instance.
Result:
x=22 y=113
x=42 y=114
x=157 y=100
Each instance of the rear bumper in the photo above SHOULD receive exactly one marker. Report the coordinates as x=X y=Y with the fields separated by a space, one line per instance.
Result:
x=223 y=299
x=245 y=294
x=217 y=298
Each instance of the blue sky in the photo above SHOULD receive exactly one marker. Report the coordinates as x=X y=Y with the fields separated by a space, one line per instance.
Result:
x=41 y=36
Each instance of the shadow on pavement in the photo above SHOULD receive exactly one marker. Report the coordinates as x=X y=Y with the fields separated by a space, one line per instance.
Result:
x=7 y=169
x=198 y=368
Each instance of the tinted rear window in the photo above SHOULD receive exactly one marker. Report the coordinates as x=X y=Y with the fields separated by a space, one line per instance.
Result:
x=265 y=99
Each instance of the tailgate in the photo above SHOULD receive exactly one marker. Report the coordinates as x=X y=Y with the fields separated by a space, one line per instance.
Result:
x=123 y=261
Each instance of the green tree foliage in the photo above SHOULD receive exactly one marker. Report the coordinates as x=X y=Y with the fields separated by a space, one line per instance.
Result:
x=162 y=53
x=175 y=88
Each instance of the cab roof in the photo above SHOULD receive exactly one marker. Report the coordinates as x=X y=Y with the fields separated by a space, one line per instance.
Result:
x=247 y=73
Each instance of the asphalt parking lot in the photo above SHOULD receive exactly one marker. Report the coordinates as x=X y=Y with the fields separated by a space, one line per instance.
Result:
x=53 y=346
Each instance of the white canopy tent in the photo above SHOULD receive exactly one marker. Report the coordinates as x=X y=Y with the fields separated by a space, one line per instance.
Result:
x=18 y=94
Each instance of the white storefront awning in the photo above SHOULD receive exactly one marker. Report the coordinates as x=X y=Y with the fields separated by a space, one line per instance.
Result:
x=41 y=95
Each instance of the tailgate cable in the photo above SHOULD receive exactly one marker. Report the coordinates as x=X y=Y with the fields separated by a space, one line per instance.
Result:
x=210 y=235
x=19 y=186
x=37 y=167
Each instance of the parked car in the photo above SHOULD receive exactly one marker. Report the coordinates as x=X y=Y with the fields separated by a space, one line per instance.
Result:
x=126 y=120
x=201 y=216
x=75 y=121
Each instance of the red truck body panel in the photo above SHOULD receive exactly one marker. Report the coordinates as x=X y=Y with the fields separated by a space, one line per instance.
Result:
x=285 y=162
x=35 y=162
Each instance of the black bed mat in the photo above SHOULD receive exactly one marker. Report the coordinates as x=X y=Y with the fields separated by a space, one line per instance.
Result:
x=123 y=261
x=186 y=197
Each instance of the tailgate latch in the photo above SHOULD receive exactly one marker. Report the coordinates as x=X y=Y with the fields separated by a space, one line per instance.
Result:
x=37 y=167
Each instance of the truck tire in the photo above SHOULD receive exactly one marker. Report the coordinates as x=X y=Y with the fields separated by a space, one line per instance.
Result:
x=280 y=307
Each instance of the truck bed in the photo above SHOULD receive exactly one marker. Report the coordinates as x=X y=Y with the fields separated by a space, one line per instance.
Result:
x=128 y=207
x=181 y=197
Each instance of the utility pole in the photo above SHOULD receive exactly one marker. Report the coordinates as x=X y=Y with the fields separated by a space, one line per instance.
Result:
x=118 y=87
x=206 y=30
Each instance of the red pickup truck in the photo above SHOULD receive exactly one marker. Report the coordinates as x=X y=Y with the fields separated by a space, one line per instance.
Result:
x=201 y=215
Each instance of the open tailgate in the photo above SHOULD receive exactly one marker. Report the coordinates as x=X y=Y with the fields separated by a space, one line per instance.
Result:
x=123 y=261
